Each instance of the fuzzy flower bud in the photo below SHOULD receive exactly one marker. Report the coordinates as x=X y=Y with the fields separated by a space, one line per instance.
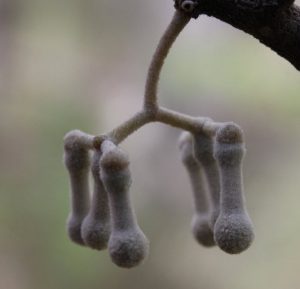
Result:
x=127 y=245
x=95 y=229
x=233 y=229
x=77 y=162
x=200 y=222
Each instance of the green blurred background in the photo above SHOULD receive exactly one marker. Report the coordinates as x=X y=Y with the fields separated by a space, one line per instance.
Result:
x=68 y=64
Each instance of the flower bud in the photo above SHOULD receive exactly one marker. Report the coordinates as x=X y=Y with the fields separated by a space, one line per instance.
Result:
x=95 y=229
x=233 y=229
x=203 y=149
x=200 y=222
x=77 y=162
x=127 y=245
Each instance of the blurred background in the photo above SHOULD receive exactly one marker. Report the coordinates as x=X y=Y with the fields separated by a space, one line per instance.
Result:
x=68 y=64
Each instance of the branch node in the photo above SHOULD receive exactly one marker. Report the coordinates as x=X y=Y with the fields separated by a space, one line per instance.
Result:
x=98 y=140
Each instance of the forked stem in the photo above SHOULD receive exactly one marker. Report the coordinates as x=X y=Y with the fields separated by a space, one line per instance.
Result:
x=151 y=111
x=163 y=115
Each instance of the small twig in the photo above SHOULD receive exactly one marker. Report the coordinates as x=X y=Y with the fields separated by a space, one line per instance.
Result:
x=151 y=111
x=166 y=116
x=118 y=134
x=177 y=24
x=180 y=120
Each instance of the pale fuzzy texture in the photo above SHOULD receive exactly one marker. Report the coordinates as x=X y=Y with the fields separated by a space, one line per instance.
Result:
x=76 y=150
x=113 y=158
x=128 y=246
x=230 y=155
x=203 y=150
x=77 y=162
x=95 y=234
x=96 y=227
x=74 y=229
x=230 y=133
x=114 y=181
x=114 y=168
x=201 y=219
x=233 y=229
x=202 y=231
x=185 y=145
x=230 y=147
x=234 y=233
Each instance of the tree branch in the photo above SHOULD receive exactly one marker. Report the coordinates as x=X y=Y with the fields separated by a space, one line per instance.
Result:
x=275 y=23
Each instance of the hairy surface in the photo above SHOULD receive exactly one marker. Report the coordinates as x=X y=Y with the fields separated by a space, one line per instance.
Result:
x=233 y=229
x=127 y=245
x=234 y=232
x=201 y=220
x=74 y=229
x=204 y=153
x=128 y=248
x=96 y=227
x=77 y=162
x=202 y=230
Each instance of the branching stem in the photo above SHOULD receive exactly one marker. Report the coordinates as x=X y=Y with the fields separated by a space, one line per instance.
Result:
x=166 y=116
x=151 y=111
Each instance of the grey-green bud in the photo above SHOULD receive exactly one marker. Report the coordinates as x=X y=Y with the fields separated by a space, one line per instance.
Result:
x=96 y=227
x=128 y=246
x=77 y=162
x=233 y=230
x=201 y=219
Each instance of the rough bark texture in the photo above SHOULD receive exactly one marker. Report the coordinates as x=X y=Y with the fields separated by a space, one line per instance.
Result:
x=275 y=23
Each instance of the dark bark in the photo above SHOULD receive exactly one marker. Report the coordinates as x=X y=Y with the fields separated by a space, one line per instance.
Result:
x=275 y=23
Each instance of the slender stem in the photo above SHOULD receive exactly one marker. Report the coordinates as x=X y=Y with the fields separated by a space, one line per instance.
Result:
x=177 y=24
x=128 y=127
x=179 y=120
x=166 y=116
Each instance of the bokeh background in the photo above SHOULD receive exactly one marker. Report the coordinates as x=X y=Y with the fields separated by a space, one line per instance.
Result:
x=68 y=64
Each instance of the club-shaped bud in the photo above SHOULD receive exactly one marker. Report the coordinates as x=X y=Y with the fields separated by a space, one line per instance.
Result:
x=77 y=162
x=233 y=230
x=127 y=245
x=95 y=229
x=203 y=150
x=201 y=219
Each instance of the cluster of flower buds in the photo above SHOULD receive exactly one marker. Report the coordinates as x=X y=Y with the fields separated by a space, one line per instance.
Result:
x=211 y=152
x=108 y=219
x=214 y=165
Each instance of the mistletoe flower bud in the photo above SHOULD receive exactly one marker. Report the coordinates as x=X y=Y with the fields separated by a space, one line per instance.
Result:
x=127 y=245
x=233 y=229
x=77 y=162
x=95 y=229
x=200 y=222
x=203 y=149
